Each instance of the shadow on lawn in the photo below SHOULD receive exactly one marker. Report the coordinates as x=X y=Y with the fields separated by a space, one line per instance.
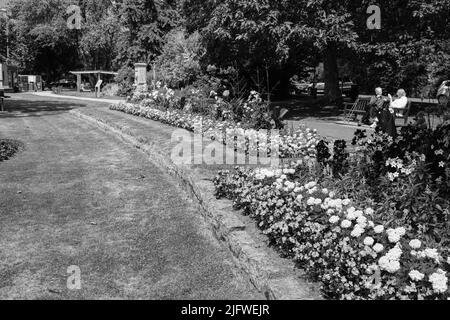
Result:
x=26 y=106
x=302 y=108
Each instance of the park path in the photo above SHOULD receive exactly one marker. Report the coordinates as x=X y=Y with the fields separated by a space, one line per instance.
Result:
x=79 y=197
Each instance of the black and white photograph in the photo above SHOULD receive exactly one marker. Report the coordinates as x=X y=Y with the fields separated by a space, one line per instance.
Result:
x=225 y=155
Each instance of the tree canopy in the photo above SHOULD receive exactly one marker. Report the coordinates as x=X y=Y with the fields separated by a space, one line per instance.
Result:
x=274 y=39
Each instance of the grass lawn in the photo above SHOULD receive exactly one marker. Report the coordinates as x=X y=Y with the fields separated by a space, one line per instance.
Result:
x=79 y=197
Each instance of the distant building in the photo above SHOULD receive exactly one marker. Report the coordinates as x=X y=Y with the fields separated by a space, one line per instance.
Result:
x=8 y=75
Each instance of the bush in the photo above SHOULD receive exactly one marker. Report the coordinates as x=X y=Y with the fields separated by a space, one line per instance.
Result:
x=8 y=148
x=111 y=90
x=179 y=62
x=125 y=81
x=338 y=241
x=407 y=178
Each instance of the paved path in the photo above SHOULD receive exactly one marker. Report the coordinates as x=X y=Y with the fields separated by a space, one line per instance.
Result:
x=77 y=196
x=50 y=94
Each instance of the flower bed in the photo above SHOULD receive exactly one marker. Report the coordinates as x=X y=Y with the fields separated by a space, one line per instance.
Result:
x=336 y=240
x=371 y=224
x=291 y=145
x=8 y=148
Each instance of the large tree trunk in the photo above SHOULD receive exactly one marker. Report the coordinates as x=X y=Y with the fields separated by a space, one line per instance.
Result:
x=331 y=74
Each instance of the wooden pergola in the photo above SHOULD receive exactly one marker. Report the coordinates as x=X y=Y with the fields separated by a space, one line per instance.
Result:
x=99 y=74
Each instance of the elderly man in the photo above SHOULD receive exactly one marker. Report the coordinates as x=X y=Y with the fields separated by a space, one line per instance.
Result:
x=387 y=123
x=374 y=107
x=398 y=104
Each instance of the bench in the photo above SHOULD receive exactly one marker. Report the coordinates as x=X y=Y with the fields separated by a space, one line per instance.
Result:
x=359 y=107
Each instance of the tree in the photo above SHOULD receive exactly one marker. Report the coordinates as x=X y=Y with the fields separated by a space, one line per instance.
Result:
x=40 y=41
x=99 y=35
x=144 y=23
x=179 y=62
x=253 y=36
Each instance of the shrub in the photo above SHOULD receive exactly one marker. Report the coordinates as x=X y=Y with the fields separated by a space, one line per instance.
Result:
x=179 y=62
x=125 y=81
x=336 y=240
x=111 y=90
x=8 y=148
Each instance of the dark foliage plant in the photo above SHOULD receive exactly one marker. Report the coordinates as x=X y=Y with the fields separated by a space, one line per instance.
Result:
x=8 y=148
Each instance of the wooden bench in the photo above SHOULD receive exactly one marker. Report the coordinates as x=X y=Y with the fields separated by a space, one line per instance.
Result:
x=359 y=107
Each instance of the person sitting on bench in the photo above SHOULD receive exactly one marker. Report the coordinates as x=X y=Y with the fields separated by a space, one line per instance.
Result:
x=398 y=104
x=374 y=107
x=387 y=120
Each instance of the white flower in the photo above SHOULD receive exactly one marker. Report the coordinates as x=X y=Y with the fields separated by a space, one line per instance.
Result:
x=394 y=235
x=359 y=213
x=439 y=281
x=325 y=191
x=378 y=229
x=369 y=241
x=346 y=202
x=362 y=220
x=378 y=248
x=391 y=266
x=351 y=214
x=334 y=219
x=395 y=253
x=416 y=275
x=415 y=244
x=357 y=232
x=346 y=224
x=311 y=201
x=318 y=202
x=432 y=254
x=401 y=231
x=299 y=198
x=369 y=211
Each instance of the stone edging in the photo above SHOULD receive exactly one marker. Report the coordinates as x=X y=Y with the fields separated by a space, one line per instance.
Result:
x=273 y=276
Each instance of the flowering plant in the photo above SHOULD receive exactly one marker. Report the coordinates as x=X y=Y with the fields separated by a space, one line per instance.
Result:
x=297 y=144
x=353 y=253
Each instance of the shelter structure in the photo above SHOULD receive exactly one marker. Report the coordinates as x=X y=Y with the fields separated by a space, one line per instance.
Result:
x=97 y=73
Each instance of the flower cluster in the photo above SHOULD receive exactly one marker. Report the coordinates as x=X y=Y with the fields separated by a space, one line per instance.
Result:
x=345 y=246
x=299 y=144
